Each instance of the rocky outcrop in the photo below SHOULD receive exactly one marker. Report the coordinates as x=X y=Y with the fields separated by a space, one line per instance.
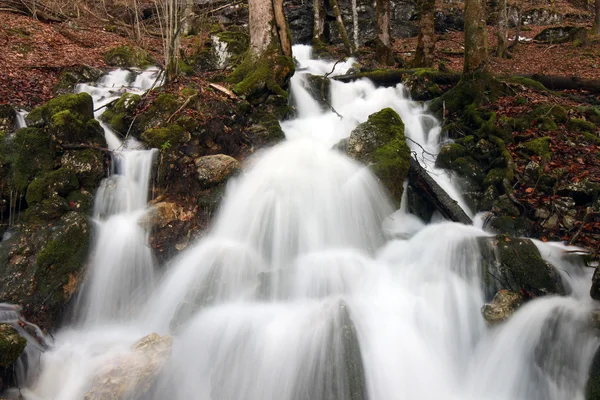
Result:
x=516 y=265
x=128 y=56
x=380 y=143
x=12 y=346
x=214 y=170
x=8 y=119
x=132 y=374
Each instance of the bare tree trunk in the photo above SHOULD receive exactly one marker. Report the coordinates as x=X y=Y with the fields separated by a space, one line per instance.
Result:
x=170 y=24
x=282 y=29
x=341 y=26
x=597 y=20
x=519 y=25
x=260 y=24
x=355 y=23
x=188 y=18
x=502 y=33
x=476 y=47
x=319 y=23
x=426 y=38
x=383 y=50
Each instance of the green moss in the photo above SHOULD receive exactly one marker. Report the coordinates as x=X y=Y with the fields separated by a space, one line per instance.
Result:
x=31 y=151
x=592 y=114
x=46 y=210
x=120 y=114
x=128 y=56
x=185 y=68
x=552 y=111
x=164 y=138
x=80 y=105
x=539 y=147
x=546 y=124
x=591 y=138
x=255 y=79
x=391 y=164
x=448 y=154
x=12 y=345
x=496 y=175
x=163 y=106
x=81 y=201
x=237 y=41
x=580 y=125
x=475 y=90
x=60 y=181
x=63 y=255
x=527 y=82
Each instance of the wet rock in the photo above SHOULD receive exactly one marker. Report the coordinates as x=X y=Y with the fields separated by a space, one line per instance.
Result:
x=595 y=289
x=502 y=306
x=300 y=18
x=8 y=119
x=422 y=86
x=450 y=19
x=213 y=170
x=513 y=226
x=11 y=345
x=161 y=214
x=380 y=142
x=318 y=87
x=134 y=373
x=167 y=138
x=68 y=79
x=541 y=213
x=516 y=264
x=503 y=205
x=119 y=115
x=87 y=165
x=551 y=223
x=490 y=195
x=532 y=172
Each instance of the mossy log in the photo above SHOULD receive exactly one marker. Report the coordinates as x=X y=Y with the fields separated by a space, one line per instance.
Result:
x=566 y=82
x=392 y=77
x=427 y=187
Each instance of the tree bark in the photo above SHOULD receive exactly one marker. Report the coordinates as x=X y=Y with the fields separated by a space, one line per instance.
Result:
x=341 y=26
x=282 y=29
x=423 y=183
x=188 y=17
x=383 y=51
x=476 y=51
x=355 y=23
x=426 y=37
x=319 y=22
x=502 y=33
x=260 y=22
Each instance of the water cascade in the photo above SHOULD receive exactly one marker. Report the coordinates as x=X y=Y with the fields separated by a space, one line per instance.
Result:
x=298 y=293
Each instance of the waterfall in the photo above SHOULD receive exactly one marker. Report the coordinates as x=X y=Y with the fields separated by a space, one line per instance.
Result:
x=298 y=292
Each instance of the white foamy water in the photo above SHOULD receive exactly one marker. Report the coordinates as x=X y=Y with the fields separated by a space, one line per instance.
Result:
x=297 y=292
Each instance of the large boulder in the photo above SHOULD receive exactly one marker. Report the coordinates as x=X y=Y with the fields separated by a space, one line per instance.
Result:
x=380 y=143
x=119 y=115
x=515 y=264
x=132 y=374
x=11 y=345
x=128 y=56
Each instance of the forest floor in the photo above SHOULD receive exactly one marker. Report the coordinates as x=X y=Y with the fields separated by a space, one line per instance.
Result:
x=35 y=53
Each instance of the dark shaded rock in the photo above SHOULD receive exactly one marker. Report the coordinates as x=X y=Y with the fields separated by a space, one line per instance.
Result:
x=87 y=165
x=595 y=289
x=510 y=225
x=300 y=18
x=128 y=56
x=516 y=264
x=69 y=78
x=8 y=119
x=11 y=345
x=451 y=19
x=119 y=115
x=560 y=34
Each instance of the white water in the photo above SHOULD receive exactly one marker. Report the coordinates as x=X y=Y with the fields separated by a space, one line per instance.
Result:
x=296 y=293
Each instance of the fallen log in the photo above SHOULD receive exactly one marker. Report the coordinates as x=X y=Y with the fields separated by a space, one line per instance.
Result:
x=428 y=188
x=392 y=77
x=566 y=82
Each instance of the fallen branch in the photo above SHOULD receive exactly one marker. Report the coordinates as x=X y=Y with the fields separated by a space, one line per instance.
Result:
x=184 y=105
x=392 y=77
x=423 y=183
x=223 y=90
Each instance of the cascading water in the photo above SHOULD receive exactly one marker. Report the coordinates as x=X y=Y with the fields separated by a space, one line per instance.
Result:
x=121 y=272
x=298 y=293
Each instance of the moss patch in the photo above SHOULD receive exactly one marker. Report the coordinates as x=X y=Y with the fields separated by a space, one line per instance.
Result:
x=128 y=56
x=580 y=125
x=59 y=182
x=11 y=345
x=165 y=138
x=120 y=114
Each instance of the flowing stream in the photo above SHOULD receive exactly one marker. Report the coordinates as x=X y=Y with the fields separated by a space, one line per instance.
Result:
x=299 y=291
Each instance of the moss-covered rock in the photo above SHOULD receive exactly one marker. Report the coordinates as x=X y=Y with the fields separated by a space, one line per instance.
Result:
x=539 y=147
x=516 y=264
x=237 y=42
x=448 y=154
x=161 y=108
x=11 y=345
x=119 y=115
x=80 y=105
x=216 y=169
x=128 y=56
x=31 y=151
x=46 y=210
x=511 y=225
x=58 y=182
x=165 y=138
x=380 y=141
x=580 y=125
x=68 y=79
x=87 y=165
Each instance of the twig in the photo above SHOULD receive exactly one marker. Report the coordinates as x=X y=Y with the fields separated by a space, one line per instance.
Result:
x=184 y=105
x=225 y=6
x=588 y=213
x=223 y=89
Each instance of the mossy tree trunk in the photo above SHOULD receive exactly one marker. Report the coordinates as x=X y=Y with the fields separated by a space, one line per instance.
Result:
x=426 y=38
x=383 y=50
x=188 y=17
x=341 y=27
x=268 y=65
x=502 y=33
x=476 y=47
